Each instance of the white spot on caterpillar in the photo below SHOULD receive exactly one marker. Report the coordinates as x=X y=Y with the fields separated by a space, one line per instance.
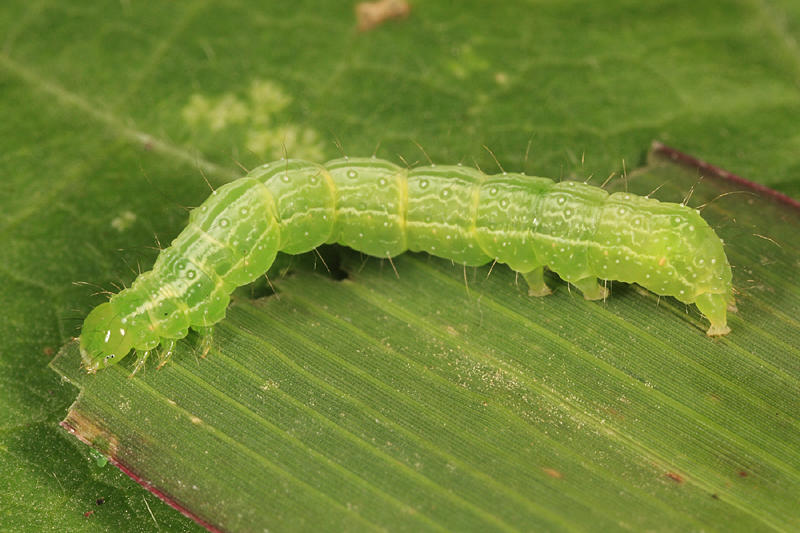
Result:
x=124 y=221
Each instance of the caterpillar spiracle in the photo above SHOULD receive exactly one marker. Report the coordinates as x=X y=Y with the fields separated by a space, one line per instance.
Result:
x=578 y=231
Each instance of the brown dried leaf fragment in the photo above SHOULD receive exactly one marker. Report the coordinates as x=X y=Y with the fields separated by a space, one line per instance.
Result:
x=372 y=14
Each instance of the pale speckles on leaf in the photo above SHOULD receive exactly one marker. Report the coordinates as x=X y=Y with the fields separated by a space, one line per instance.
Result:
x=466 y=61
x=481 y=101
x=123 y=221
x=267 y=98
x=297 y=141
x=501 y=78
x=270 y=385
x=215 y=115
x=257 y=115
x=196 y=110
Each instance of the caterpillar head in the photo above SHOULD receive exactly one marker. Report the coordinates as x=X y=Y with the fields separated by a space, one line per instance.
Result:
x=104 y=339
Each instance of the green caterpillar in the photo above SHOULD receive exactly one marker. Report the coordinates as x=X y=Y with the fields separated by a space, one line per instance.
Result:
x=578 y=231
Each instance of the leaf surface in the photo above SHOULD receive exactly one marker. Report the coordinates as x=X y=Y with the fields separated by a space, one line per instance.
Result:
x=446 y=398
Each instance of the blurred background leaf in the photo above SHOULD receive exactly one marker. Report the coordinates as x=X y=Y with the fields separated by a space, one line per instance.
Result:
x=112 y=114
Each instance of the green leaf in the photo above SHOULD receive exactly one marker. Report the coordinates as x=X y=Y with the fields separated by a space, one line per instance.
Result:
x=113 y=112
x=448 y=398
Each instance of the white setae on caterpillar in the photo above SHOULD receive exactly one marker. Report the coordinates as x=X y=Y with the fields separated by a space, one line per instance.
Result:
x=580 y=232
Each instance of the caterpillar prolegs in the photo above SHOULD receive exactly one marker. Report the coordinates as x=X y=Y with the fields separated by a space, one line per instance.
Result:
x=578 y=231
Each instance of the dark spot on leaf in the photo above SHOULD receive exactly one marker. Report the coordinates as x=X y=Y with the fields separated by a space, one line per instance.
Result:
x=743 y=473
x=100 y=501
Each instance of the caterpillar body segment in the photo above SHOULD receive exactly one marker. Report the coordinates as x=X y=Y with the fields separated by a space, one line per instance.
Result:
x=580 y=232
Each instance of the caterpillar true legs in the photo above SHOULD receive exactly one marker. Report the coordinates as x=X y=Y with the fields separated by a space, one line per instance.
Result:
x=580 y=232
